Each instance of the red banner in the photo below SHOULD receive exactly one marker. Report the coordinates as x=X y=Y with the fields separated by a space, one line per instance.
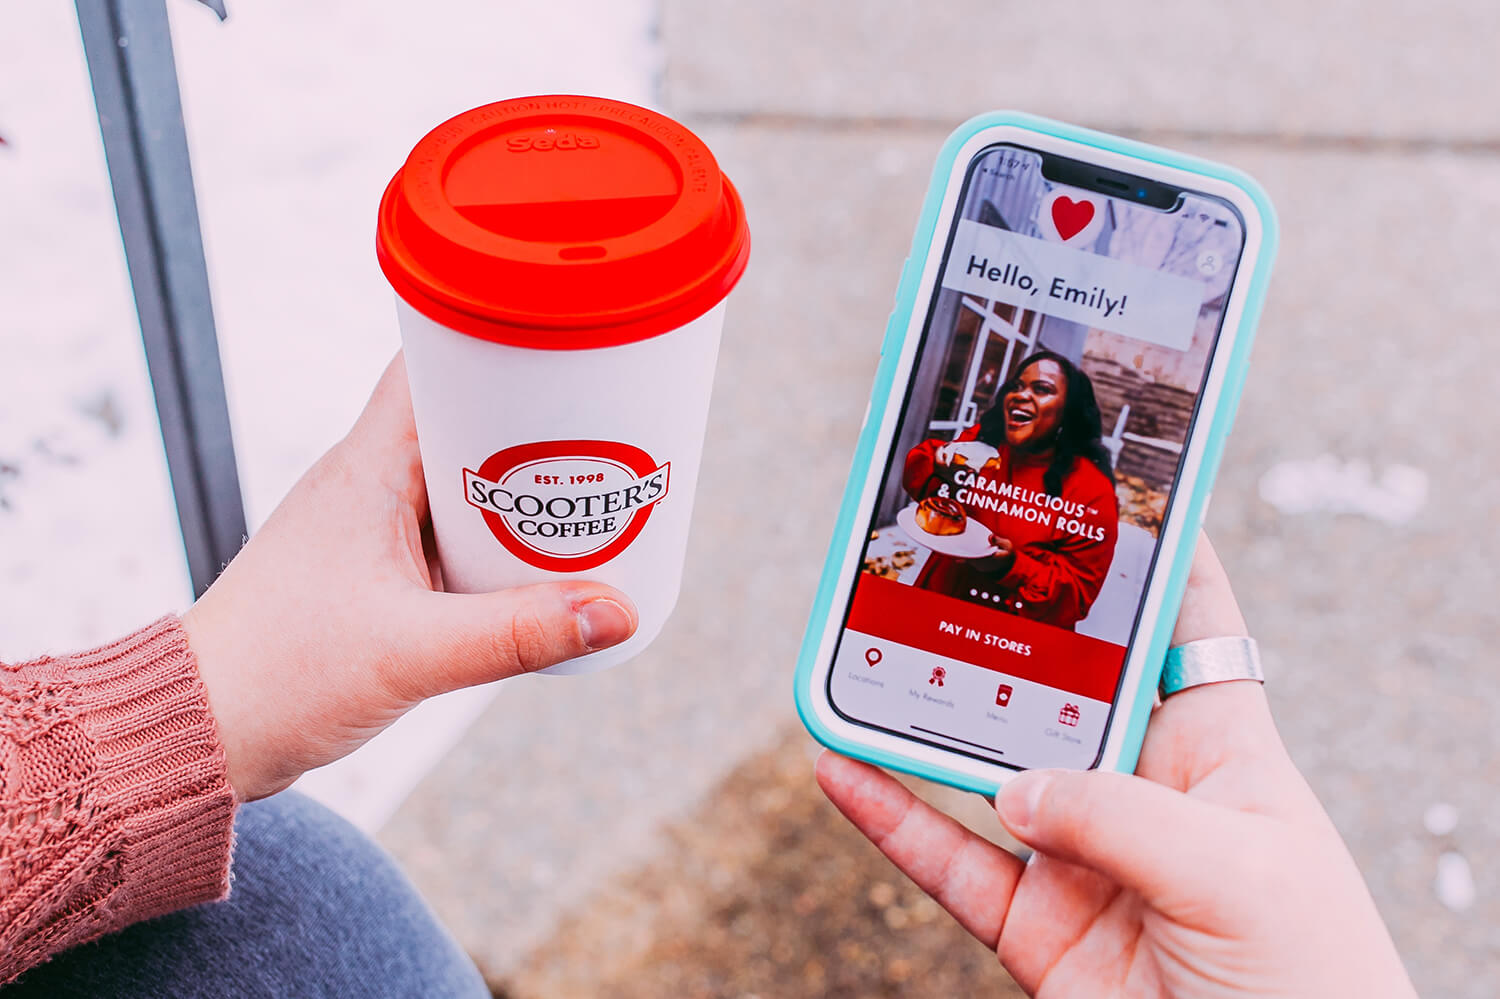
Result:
x=993 y=639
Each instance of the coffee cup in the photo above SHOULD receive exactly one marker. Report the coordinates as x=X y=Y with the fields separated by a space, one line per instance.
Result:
x=560 y=266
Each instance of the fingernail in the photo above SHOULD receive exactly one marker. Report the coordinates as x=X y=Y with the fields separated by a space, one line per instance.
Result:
x=1017 y=801
x=603 y=623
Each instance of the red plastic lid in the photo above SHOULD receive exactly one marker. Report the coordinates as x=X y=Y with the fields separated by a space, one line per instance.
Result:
x=563 y=223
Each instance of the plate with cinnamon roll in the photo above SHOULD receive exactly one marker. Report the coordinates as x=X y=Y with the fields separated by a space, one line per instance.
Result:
x=941 y=524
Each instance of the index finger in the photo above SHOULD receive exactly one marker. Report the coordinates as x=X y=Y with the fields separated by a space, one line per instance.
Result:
x=1209 y=609
x=385 y=437
x=966 y=874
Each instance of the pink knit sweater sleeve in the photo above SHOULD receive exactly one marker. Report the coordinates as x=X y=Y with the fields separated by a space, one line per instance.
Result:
x=114 y=804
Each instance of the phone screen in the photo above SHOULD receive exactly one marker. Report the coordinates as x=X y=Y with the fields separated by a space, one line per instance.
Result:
x=1036 y=456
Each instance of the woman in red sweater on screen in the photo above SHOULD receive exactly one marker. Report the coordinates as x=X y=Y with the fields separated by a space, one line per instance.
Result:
x=1047 y=497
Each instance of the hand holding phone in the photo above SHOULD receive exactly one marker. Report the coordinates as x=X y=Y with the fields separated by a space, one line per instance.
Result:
x=1058 y=378
x=1218 y=851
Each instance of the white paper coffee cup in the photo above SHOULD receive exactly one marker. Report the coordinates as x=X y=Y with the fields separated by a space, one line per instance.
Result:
x=560 y=265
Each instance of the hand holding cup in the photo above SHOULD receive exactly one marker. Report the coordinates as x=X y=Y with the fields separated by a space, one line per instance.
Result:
x=331 y=622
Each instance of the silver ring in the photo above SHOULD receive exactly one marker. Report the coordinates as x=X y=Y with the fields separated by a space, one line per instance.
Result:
x=1210 y=660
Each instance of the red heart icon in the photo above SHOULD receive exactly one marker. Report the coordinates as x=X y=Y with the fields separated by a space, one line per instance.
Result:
x=1071 y=217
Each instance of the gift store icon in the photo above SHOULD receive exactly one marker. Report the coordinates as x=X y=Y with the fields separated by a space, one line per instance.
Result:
x=1068 y=715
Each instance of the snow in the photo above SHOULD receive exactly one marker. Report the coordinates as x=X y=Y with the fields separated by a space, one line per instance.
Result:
x=1440 y=818
x=297 y=116
x=1454 y=882
x=1328 y=484
x=88 y=540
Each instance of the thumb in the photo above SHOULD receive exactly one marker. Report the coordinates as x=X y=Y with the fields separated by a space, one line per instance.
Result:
x=465 y=639
x=1161 y=843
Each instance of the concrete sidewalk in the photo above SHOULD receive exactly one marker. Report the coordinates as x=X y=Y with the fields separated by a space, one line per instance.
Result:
x=1373 y=129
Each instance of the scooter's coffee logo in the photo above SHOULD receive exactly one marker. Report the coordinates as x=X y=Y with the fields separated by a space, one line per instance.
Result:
x=567 y=506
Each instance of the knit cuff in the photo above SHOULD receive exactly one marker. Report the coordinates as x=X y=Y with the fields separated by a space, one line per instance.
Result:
x=160 y=782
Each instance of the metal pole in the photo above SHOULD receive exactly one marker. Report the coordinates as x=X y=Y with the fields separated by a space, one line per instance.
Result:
x=129 y=48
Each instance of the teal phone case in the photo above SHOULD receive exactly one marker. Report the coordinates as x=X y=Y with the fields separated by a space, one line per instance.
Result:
x=1194 y=495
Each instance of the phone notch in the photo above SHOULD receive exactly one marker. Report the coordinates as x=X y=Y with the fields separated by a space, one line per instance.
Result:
x=1115 y=183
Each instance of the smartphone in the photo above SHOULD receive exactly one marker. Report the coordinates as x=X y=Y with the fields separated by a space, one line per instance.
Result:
x=1056 y=385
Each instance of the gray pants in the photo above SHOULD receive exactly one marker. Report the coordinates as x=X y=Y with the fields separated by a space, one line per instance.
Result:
x=317 y=910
